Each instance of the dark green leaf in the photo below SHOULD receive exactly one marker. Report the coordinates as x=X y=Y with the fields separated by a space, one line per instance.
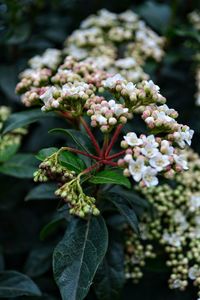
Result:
x=110 y=177
x=20 y=166
x=76 y=138
x=109 y=278
x=44 y=153
x=71 y=161
x=44 y=191
x=39 y=260
x=78 y=255
x=21 y=119
x=51 y=227
x=15 y=284
x=124 y=208
x=156 y=14
x=8 y=152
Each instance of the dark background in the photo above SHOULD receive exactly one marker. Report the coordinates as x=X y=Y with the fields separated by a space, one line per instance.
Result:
x=29 y=27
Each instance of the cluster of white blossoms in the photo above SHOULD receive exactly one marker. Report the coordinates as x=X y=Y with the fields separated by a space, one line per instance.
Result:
x=117 y=43
x=148 y=156
x=50 y=59
x=194 y=18
x=9 y=142
x=106 y=114
x=174 y=233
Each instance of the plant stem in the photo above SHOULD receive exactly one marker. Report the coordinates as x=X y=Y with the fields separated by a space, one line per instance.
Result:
x=114 y=138
x=90 y=134
x=90 y=168
x=105 y=145
x=110 y=163
x=116 y=155
x=81 y=152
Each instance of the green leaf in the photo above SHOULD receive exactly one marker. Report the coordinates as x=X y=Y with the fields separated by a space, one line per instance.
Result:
x=44 y=153
x=21 y=119
x=71 y=161
x=78 y=255
x=109 y=279
x=43 y=191
x=20 y=166
x=51 y=227
x=76 y=138
x=125 y=209
x=8 y=152
x=39 y=260
x=156 y=14
x=15 y=284
x=110 y=177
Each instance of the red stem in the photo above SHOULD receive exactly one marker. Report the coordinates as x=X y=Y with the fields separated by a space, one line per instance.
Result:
x=116 y=155
x=115 y=136
x=91 y=168
x=110 y=163
x=89 y=132
x=83 y=153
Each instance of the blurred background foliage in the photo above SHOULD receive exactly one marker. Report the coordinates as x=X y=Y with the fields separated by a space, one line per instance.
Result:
x=27 y=28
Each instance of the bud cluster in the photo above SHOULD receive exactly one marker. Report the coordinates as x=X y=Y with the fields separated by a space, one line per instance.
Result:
x=50 y=169
x=102 y=36
x=135 y=95
x=80 y=204
x=175 y=228
x=106 y=114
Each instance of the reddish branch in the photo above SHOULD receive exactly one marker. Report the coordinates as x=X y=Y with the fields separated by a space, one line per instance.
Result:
x=114 y=138
x=89 y=132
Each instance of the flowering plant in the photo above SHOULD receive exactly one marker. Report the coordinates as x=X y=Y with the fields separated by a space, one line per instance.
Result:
x=98 y=86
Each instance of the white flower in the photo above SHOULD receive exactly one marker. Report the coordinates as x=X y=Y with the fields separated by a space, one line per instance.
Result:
x=181 y=161
x=101 y=120
x=48 y=95
x=149 y=151
x=194 y=272
x=188 y=134
x=152 y=86
x=194 y=202
x=167 y=148
x=150 y=139
x=132 y=139
x=126 y=63
x=159 y=162
x=176 y=284
x=149 y=177
x=172 y=239
x=137 y=169
x=112 y=81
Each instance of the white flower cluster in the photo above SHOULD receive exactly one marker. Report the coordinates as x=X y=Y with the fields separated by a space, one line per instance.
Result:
x=174 y=231
x=99 y=39
x=159 y=117
x=106 y=114
x=66 y=98
x=194 y=18
x=148 y=156
x=142 y=94
x=50 y=59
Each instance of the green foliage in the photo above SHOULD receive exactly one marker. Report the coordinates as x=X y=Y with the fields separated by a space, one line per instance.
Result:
x=110 y=177
x=78 y=255
x=15 y=284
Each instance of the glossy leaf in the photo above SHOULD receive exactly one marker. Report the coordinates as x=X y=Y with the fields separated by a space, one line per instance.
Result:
x=110 y=177
x=71 y=161
x=124 y=208
x=44 y=153
x=20 y=166
x=78 y=255
x=77 y=138
x=15 y=284
x=110 y=278
x=44 y=191
x=21 y=119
